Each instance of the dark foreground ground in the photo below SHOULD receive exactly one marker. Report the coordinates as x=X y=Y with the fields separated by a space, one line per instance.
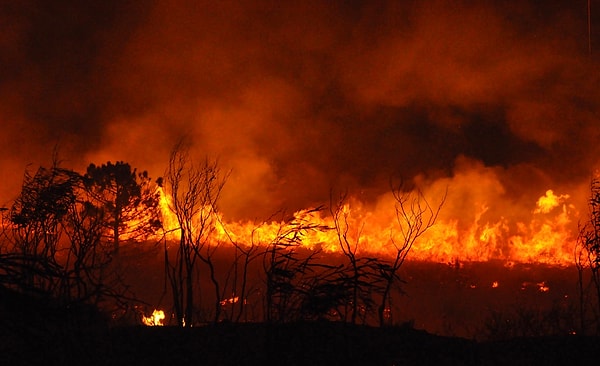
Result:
x=455 y=300
x=287 y=344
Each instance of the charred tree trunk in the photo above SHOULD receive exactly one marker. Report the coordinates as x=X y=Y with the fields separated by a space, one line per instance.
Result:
x=213 y=279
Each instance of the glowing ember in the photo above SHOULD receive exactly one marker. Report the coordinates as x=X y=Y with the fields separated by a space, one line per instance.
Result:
x=231 y=300
x=542 y=287
x=495 y=284
x=156 y=319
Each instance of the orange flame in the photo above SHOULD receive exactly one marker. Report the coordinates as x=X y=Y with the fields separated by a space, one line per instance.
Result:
x=156 y=319
x=547 y=203
x=547 y=237
x=231 y=300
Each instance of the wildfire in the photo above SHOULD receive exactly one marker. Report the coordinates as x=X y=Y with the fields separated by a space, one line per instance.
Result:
x=541 y=286
x=546 y=238
x=169 y=220
x=231 y=300
x=156 y=319
x=548 y=202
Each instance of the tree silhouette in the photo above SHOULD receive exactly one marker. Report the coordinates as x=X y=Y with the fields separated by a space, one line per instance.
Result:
x=195 y=190
x=361 y=277
x=129 y=199
x=244 y=254
x=52 y=243
x=588 y=254
x=414 y=216
x=290 y=270
x=37 y=225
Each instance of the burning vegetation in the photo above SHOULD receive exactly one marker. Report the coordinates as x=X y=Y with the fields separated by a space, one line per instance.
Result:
x=380 y=163
x=63 y=237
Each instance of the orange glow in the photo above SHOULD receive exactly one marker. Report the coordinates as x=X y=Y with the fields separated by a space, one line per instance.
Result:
x=156 y=319
x=231 y=300
x=542 y=287
x=547 y=237
x=495 y=284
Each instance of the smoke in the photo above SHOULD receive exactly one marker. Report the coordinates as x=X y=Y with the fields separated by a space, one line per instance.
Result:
x=298 y=98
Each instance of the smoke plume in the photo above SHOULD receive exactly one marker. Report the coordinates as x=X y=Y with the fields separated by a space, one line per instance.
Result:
x=300 y=97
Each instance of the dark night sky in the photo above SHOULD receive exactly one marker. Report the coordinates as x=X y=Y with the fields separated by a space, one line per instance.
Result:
x=299 y=97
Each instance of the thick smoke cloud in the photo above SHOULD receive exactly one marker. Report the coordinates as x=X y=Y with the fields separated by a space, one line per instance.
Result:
x=297 y=98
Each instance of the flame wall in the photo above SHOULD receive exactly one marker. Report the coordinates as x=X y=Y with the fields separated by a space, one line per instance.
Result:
x=496 y=101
